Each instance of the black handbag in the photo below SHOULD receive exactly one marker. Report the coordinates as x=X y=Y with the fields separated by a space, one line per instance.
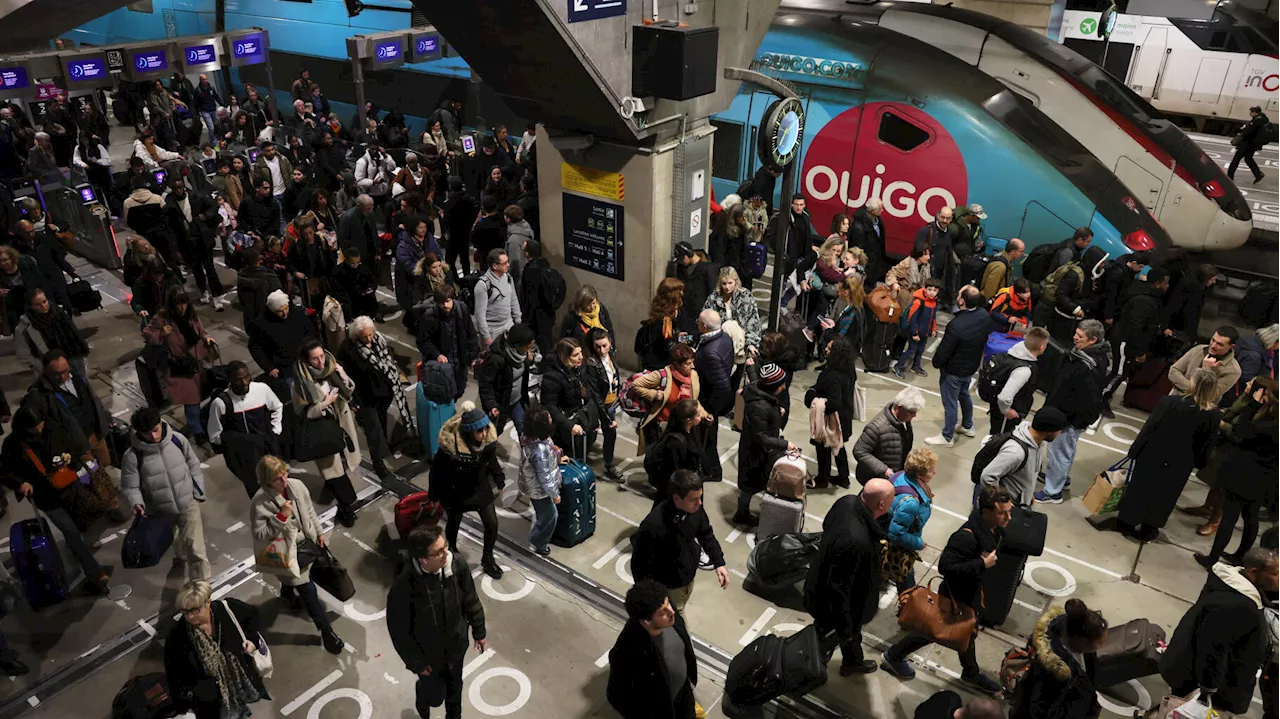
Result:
x=329 y=574
x=307 y=552
x=1025 y=533
x=318 y=438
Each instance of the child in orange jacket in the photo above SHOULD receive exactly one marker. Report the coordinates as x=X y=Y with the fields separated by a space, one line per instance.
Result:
x=920 y=323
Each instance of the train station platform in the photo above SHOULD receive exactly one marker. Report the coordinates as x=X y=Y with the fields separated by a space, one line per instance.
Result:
x=548 y=645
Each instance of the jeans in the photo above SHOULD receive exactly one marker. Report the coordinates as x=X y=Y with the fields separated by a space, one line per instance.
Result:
x=955 y=388
x=915 y=642
x=207 y=119
x=75 y=542
x=280 y=209
x=515 y=413
x=311 y=601
x=192 y=412
x=373 y=420
x=1062 y=452
x=914 y=350
x=446 y=680
x=545 y=515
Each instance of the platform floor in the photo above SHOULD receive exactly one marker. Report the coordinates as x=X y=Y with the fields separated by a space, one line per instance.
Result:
x=1263 y=197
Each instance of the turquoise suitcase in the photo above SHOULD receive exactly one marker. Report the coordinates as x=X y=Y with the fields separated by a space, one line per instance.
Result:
x=431 y=417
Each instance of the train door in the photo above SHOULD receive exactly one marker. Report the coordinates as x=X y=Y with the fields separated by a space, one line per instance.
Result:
x=1040 y=225
x=1144 y=77
x=1146 y=187
x=1210 y=78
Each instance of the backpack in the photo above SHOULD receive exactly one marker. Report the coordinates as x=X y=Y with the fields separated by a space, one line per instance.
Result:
x=1036 y=266
x=554 y=289
x=744 y=190
x=631 y=402
x=1013 y=671
x=1268 y=134
x=787 y=478
x=989 y=452
x=1049 y=291
x=995 y=372
x=438 y=381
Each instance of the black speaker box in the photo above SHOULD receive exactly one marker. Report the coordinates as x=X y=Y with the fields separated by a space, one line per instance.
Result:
x=674 y=62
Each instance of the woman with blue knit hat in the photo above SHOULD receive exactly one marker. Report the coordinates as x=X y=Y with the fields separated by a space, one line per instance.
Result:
x=466 y=476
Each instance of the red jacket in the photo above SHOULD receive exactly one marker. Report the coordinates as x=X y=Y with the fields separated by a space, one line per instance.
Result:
x=921 y=301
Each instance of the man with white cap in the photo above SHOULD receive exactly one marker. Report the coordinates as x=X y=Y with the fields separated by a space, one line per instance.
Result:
x=274 y=340
x=966 y=227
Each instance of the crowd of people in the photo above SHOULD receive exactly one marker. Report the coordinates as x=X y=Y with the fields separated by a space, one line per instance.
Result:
x=315 y=217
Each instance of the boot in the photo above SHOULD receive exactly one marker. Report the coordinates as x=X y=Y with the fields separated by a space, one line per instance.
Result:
x=1212 y=506
x=14 y=668
x=1211 y=527
x=491 y=567
x=332 y=642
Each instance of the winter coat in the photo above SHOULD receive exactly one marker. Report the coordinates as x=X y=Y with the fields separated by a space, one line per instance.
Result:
x=258 y=216
x=451 y=335
x=59 y=411
x=163 y=476
x=569 y=399
x=488 y=233
x=942 y=256
x=253 y=284
x=264 y=509
x=539 y=473
x=1056 y=686
x=497 y=308
x=909 y=513
x=263 y=170
x=673 y=451
x=649 y=387
x=961 y=564
x=1139 y=320
x=202 y=228
x=1183 y=304
x=372 y=385
x=639 y=687
x=274 y=341
x=667 y=546
x=374 y=176
x=539 y=298
x=190 y=685
x=428 y=615
x=30 y=343
x=651 y=348
x=1249 y=471
x=17 y=468
x=409 y=252
x=714 y=364
x=356 y=289
x=465 y=478
x=1220 y=643
x=868 y=233
x=901 y=275
x=1227 y=371
x=1254 y=359
x=1177 y=437
x=518 y=233
x=762 y=442
x=1078 y=382
x=246 y=428
x=496 y=376
x=836 y=388
x=997 y=275
x=741 y=308
x=346 y=461
x=840 y=589
x=359 y=231
x=459 y=215
x=922 y=315
x=574 y=328
x=699 y=280
x=883 y=445
x=181 y=388
x=964 y=342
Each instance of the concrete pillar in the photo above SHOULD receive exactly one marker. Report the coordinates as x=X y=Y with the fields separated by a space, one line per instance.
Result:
x=649 y=206
x=1031 y=14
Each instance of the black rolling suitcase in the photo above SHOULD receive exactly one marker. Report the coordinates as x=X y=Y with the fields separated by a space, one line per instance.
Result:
x=151 y=384
x=1131 y=651
x=999 y=586
x=83 y=297
x=877 y=348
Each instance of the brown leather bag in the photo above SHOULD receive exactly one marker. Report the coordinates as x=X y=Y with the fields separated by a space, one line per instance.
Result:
x=883 y=305
x=942 y=620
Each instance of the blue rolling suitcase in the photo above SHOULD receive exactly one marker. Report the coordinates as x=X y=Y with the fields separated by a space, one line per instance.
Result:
x=146 y=542
x=431 y=417
x=577 y=508
x=999 y=343
x=38 y=563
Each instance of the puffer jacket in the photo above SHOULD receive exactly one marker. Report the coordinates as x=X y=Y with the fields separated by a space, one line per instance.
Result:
x=465 y=477
x=164 y=477
x=1057 y=686
x=539 y=476
x=714 y=364
x=762 y=441
x=909 y=513
x=568 y=397
x=741 y=308
x=428 y=615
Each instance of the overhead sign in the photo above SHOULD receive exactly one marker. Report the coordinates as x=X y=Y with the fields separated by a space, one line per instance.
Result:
x=13 y=78
x=87 y=69
x=115 y=60
x=48 y=91
x=593 y=235
x=387 y=52
x=203 y=54
x=781 y=130
x=580 y=10
x=600 y=183
x=1081 y=25
x=249 y=48
x=150 y=61
x=425 y=46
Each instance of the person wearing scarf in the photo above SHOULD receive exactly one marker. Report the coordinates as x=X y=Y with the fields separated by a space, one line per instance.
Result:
x=663 y=389
x=209 y=668
x=322 y=388
x=587 y=313
x=430 y=276
x=466 y=476
x=575 y=410
x=179 y=331
x=44 y=327
x=660 y=331
x=378 y=381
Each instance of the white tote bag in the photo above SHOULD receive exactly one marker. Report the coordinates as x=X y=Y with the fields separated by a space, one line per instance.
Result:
x=261 y=656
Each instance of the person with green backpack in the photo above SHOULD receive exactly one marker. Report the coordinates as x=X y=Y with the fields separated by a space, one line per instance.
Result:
x=1067 y=295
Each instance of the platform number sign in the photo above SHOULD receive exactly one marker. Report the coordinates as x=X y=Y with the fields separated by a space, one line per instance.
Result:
x=580 y=10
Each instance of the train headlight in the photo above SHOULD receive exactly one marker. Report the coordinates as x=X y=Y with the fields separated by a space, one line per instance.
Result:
x=1139 y=241
x=1211 y=189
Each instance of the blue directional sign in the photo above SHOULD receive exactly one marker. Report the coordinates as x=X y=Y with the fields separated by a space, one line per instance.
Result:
x=85 y=70
x=201 y=54
x=13 y=78
x=388 y=51
x=580 y=10
x=150 y=61
x=249 y=49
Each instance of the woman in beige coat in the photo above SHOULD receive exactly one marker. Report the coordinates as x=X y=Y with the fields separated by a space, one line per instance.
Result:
x=909 y=275
x=322 y=388
x=283 y=508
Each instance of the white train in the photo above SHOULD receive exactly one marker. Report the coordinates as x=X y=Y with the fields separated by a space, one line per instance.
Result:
x=1204 y=70
x=1186 y=191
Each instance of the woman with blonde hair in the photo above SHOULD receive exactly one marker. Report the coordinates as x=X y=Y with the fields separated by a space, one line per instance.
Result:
x=1177 y=438
x=324 y=392
x=586 y=313
x=282 y=508
x=209 y=667
x=912 y=505
x=849 y=323
x=661 y=331
x=736 y=304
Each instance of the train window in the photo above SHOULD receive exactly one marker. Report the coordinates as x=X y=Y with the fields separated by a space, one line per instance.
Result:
x=900 y=132
x=726 y=151
x=1033 y=128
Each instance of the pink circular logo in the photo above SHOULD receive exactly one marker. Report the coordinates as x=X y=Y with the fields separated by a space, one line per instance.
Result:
x=852 y=160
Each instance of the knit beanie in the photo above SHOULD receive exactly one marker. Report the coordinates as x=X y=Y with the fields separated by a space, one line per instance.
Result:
x=276 y=300
x=473 y=418
x=771 y=375
x=1049 y=419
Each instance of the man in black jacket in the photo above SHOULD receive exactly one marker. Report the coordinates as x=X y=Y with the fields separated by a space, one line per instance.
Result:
x=1135 y=331
x=1077 y=391
x=840 y=591
x=73 y=409
x=1115 y=283
x=762 y=441
x=1221 y=642
x=459 y=215
x=957 y=358
x=503 y=377
x=940 y=239
x=969 y=553
x=1185 y=302
x=490 y=231
x=800 y=235
x=194 y=220
x=763 y=185
x=666 y=547
x=274 y=340
x=1251 y=140
x=358 y=229
x=867 y=232
x=253 y=284
x=652 y=669
x=714 y=364
x=446 y=334
x=431 y=604
x=699 y=276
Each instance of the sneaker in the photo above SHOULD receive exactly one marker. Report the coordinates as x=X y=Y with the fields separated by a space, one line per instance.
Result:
x=704 y=561
x=206 y=298
x=897 y=667
x=983 y=683
x=887 y=597
x=397 y=454
x=920 y=371
x=898 y=371
x=1044 y=497
x=612 y=474
x=808 y=334
x=865 y=667
x=969 y=431
x=218 y=304
x=938 y=440
x=542 y=551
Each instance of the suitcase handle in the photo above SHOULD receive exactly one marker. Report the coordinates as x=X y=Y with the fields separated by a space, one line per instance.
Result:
x=573 y=442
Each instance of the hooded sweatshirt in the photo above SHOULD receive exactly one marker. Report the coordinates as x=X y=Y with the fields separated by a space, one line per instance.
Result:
x=1013 y=394
x=922 y=317
x=1016 y=466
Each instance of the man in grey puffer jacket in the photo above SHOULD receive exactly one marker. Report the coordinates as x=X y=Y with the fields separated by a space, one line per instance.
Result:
x=161 y=475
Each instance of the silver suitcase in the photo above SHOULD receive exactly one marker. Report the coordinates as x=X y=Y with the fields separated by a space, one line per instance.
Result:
x=779 y=515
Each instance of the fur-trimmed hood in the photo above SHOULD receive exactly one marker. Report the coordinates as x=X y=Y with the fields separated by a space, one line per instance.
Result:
x=1047 y=640
x=452 y=442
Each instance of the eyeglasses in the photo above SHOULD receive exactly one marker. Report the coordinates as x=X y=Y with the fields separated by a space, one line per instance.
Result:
x=187 y=612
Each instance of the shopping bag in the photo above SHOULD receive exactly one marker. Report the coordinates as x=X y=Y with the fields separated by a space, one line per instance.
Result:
x=278 y=556
x=262 y=656
x=1108 y=487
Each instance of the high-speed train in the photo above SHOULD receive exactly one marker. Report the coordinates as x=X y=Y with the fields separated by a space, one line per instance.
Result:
x=1188 y=192
x=892 y=118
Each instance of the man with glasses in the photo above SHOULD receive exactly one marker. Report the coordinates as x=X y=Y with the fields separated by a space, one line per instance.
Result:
x=429 y=608
x=497 y=308
x=71 y=406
